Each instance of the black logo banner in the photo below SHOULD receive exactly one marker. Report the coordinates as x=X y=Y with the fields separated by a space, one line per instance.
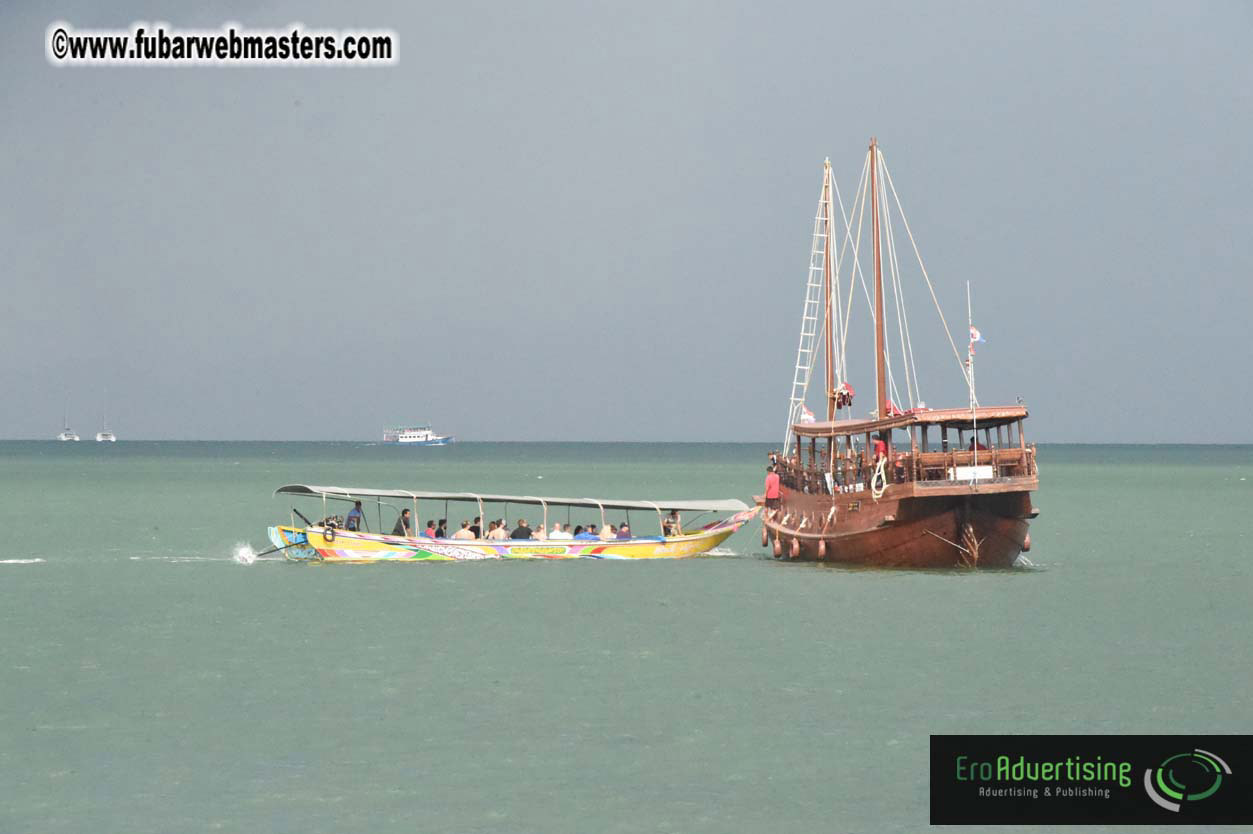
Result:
x=1106 y=780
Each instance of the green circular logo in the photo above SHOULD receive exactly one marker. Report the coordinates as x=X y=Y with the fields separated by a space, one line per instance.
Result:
x=1185 y=777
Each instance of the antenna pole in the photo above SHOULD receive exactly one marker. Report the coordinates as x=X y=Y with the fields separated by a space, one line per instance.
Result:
x=880 y=362
x=829 y=352
x=970 y=376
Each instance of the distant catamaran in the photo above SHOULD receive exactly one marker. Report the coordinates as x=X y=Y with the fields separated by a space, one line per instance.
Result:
x=67 y=434
x=896 y=488
x=106 y=436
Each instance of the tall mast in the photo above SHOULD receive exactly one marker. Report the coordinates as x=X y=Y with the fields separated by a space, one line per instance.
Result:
x=829 y=353
x=880 y=362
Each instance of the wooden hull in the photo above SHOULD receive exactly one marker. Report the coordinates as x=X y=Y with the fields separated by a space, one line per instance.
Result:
x=974 y=529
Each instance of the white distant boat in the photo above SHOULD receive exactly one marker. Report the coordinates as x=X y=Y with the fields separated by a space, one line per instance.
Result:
x=416 y=436
x=67 y=434
x=106 y=436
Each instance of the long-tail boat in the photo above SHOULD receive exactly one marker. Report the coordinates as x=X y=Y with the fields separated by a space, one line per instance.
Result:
x=912 y=487
x=328 y=540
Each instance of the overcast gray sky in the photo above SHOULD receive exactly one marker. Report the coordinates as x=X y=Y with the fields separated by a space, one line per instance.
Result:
x=592 y=221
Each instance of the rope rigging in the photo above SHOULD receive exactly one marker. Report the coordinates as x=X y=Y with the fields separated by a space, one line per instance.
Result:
x=826 y=268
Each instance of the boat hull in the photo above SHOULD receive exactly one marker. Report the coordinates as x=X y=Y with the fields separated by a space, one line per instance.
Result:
x=976 y=530
x=319 y=544
x=436 y=441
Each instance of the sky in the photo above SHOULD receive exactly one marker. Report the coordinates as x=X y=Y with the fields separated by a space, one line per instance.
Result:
x=592 y=221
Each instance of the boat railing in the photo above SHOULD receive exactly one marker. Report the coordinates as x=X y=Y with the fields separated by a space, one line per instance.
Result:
x=819 y=477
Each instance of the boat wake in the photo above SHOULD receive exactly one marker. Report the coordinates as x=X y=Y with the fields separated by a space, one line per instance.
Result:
x=244 y=554
x=19 y=561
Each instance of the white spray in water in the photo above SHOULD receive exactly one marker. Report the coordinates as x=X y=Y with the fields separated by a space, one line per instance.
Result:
x=244 y=554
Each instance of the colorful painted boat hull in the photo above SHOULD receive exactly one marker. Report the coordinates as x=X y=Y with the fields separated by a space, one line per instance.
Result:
x=319 y=544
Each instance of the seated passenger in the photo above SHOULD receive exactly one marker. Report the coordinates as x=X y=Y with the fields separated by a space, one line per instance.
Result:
x=975 y=444
x=429 y=532
x=559 y=532
x=539 y=534
x=404 y=527
x=356 y=518
x=610 y=532
x=624 y=531
x=521 y=531
x=497 y=531
x=672 y=525
x=585 y=535
x=464 y=533
x=441 y=529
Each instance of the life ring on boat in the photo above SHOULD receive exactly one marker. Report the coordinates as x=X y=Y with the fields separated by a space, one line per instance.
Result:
x=328 y=534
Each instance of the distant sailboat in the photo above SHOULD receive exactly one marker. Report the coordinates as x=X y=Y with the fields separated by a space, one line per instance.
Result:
x=106 y=436
x=67 y=434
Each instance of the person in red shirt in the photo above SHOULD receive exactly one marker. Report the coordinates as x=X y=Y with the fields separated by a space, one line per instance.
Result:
x=773 y=493
x=880 y=448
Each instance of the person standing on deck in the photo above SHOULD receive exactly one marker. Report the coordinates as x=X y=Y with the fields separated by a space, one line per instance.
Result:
x=404 y=527
x=356 y=518
x=773 y=492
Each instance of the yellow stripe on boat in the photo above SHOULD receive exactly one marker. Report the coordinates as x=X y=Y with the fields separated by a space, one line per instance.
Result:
x=335 y=545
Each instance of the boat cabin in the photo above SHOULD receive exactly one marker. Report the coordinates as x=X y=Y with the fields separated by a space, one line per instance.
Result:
x=924 y=447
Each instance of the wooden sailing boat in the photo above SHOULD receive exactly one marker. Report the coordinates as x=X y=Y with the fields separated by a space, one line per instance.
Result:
x=913 y=488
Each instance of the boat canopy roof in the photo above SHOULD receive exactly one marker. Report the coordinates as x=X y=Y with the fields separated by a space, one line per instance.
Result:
x=725 y=505
x=954 y=418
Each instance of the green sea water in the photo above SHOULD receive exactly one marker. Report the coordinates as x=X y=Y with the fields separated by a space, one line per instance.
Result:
x=150 y=682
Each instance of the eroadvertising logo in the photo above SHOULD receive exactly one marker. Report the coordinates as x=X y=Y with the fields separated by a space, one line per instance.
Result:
x=1105 y=780
x=1192 y=776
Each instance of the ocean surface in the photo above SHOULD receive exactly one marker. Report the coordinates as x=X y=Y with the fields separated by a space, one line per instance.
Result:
x=151 y=680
